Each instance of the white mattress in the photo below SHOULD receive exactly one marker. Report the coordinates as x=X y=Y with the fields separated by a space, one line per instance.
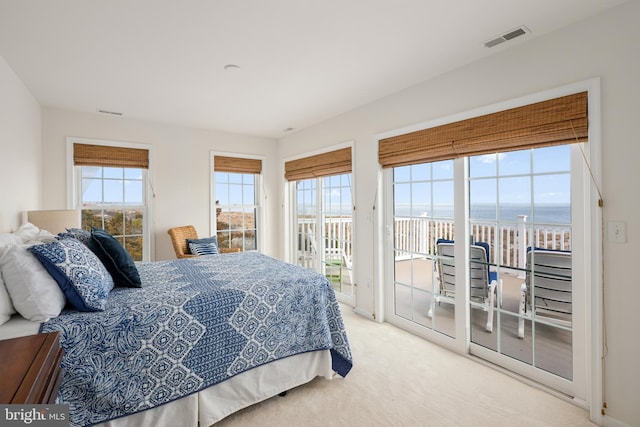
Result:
x=214 y=403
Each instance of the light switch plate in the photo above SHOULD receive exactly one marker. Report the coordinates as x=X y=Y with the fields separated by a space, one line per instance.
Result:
x=617 y=231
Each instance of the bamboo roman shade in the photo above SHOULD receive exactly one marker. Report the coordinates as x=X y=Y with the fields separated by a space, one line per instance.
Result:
x=556 y=121
x=237 y=165
x=326 y=164
x=103 y=155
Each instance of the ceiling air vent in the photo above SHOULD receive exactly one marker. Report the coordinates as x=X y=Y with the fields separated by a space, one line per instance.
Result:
x=520 y=31
x=113 y=113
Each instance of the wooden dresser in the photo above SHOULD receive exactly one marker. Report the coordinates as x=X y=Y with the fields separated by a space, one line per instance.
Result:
x=30 y=369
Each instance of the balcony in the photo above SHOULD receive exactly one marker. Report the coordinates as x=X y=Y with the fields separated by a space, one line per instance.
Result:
x=414 y=243
x=417 y=236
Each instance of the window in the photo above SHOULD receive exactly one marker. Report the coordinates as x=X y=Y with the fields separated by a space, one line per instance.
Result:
x=321 y=188
x=307 y=219
x=423 y=208
x=517 y=201
x=517 y=187
x=113 y=199
x=324 y=229
x=236 y=210
x=111 y=192
x=236 y=206
x=337 y=232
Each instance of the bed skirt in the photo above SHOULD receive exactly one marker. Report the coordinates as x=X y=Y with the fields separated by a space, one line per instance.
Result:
x=221 y=400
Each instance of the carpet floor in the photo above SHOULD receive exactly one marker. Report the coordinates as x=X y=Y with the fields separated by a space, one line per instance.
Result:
x=399 y=379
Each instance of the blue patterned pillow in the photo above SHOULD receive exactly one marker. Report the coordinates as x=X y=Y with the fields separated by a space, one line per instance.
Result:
x=208 y=246
x=76 y=233
x=78 y=271
x=79 y=234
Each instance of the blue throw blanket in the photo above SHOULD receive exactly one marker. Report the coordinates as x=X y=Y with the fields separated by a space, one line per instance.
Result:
x=194 y=323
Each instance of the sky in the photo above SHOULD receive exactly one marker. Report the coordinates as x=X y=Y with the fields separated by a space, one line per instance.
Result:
x=118 y=185
x=512 y=178
x=518 y=177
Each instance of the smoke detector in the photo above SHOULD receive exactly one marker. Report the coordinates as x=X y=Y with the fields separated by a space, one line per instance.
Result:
x=510 y=35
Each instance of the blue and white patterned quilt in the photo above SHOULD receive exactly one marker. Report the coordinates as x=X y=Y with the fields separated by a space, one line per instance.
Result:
x=194 y=323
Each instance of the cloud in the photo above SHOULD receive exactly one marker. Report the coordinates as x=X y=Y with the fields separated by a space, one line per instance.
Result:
x=491 y=158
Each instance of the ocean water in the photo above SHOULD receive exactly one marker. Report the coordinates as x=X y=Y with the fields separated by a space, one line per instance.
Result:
x=541 y=213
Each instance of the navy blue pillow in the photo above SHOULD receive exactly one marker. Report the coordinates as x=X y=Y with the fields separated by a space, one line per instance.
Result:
x=116 y=259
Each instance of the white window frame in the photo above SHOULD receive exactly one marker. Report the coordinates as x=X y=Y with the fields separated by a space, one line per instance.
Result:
x=291 y=234
x=260 y=196
x=315 y=262
x=74 y=186
x=590 y=183
x=579 y=251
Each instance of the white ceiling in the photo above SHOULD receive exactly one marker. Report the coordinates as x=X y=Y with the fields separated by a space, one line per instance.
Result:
x=301 y=61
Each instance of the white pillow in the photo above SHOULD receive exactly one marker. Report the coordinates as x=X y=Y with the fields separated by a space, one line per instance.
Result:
x=7 y=240
x=6 y=306
x=35 y=294
x=27 y=231
x=43 y=236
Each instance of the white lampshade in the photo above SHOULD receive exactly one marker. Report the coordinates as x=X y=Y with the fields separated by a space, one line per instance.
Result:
x=55 y=221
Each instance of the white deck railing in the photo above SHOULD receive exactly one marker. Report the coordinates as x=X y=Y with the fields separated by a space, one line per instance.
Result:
x=338 y=234
x=417 y=235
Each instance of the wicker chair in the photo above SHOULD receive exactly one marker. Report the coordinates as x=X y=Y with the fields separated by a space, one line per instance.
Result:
x=179 y=236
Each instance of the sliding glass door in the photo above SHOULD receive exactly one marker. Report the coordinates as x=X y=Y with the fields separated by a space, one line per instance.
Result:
x=423 y=209
x=521 y=204
x=323 y=230
x=502 y=266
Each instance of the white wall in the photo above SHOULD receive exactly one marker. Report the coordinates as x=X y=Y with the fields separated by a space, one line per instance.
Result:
x=605 y=46
x=180 y=167
x=19 y=149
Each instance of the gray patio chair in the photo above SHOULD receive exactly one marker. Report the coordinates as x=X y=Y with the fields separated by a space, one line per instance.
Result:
x=546 y=291
x=482 y=281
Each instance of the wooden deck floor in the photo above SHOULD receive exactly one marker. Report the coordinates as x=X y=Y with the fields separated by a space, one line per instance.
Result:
x=548 y=347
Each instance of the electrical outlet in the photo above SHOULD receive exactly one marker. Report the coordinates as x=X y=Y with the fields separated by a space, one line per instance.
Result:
x=617 y=231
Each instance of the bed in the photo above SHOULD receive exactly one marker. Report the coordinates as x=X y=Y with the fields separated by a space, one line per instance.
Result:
x=199 y=339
